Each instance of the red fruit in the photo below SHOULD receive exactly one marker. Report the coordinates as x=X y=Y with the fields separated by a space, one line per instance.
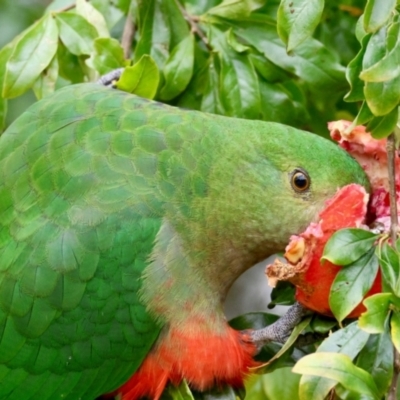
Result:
x=312 y=279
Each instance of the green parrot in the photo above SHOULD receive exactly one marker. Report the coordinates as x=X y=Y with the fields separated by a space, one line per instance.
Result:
x=124 y=222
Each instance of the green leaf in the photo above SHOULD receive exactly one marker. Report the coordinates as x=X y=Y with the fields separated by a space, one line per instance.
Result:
x=69 y=65
x=76 y=33
x=312 y=61
x=395 y=329
x=240 y=93
x=93 y=16
x=253 y=320
x=377 y=13
x=378 y=308
x=377 y=358
x=269 y=71
x=231 y=9
x=234 y=43
x=348 y=245
x=33 y=52
x=297 y=20
x=110 y=11
x=154 y=38
x=211 y=101
x=46 y=83
x=389 y=66
x=107 y=56
x=177 y=24
x=348 y=341
x=389 y=259
x=282 y=294
x=381 y=127
x=360 y=31
x=364 y=115
x=352 y=283
x=382 y=97
x=141 y=79
x=340 y=368
x=270 y=387
x=5 y=54
x=181 y=392
x=178 y=69
x=353 y=74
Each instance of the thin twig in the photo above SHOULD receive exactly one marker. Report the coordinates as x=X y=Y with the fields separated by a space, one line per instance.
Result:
x=127 y=35
x=66 y=8
x=391 y=153
x=192 y=20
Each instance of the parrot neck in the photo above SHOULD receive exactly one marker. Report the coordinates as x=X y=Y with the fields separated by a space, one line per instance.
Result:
x=178 y=284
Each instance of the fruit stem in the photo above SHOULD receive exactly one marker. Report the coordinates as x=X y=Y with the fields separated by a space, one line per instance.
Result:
x=390 y=148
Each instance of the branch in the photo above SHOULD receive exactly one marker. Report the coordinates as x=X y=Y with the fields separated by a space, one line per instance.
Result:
x=127 y=35
x=192 y=20
x=390 y=148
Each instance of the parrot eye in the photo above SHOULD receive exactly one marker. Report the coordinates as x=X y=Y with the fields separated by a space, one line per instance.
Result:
x=300 y=180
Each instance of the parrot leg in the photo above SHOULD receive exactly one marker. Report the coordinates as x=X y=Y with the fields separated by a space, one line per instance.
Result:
x=110 y=79
x=280 y=330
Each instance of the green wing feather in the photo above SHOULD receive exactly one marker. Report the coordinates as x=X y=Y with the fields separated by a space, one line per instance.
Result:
x=78 y=222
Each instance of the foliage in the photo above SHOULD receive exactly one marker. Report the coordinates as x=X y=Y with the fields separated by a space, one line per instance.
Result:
x=290 y=61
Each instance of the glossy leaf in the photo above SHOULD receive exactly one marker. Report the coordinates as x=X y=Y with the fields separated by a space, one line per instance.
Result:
x=378 y=308
x=154 y=32
x=93 y=16
x=349 y=341
x=180 y=392
x=340 y=368
x=178 y=69
x=381 y=127
x=395 y=329
x=253 y=320
x=178 y=26
x=348 y=245
x=107 y=56
x=297 y=20
x=352 y=283
x=376 y=357
x=141 y=79
x=46 y=83
x=269 y=386
x=389 y=259
x=234 y=43
x=69 y=65
x=76 y=33
x=377 y=13
x=211 y=101
x=389 y=66
x=382 y=97
x=5 y=54
x=240 y=93
x=364 y=115
x=231 y=9
x=311 y=61
x=353 y=73
x=33 y=52
x=282 y=294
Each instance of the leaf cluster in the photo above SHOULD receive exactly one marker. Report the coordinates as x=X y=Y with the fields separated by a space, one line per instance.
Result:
x=224 y=57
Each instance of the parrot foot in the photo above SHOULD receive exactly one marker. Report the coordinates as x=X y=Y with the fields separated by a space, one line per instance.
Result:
x=110 y=79
x=280 y=330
